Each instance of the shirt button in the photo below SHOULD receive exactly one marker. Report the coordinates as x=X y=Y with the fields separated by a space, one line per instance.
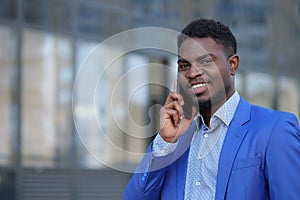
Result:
x=205 y=135
x=197 y=183
x=143 y=178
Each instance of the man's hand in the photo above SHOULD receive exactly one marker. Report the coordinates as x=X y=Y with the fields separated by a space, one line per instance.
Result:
x=172 y=121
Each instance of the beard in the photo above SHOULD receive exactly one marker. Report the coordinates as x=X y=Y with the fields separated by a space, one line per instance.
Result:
x=215 y=101
x=204 y=104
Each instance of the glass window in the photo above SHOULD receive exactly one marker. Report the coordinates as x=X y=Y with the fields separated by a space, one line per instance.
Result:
x=297 y=7
x=8 y=89
x=111 y=96
x=259 y=88
x=263 y=90
x=289 y=98
x=83 y=110
x=54 y=14
x=47 y=86
x=8 y=9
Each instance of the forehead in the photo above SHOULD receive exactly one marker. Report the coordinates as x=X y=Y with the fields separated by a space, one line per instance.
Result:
x=195 y=47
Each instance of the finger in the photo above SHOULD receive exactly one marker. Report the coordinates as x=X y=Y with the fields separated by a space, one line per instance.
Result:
x=173 y=115
x=176 y=118
x=176 y=106
x=175 y=86
x=163 y=124
x=177 y=95
x=173 y=96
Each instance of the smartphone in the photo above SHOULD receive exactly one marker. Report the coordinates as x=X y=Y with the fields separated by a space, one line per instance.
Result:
x=188 y=102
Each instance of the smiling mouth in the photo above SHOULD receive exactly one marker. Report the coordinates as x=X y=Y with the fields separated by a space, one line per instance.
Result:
x=199 y=85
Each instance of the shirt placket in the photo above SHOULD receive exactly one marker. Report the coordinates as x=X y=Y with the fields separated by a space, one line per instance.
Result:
x=194 y=168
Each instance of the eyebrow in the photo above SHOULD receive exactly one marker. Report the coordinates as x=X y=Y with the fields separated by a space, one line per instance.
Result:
x=182 y=60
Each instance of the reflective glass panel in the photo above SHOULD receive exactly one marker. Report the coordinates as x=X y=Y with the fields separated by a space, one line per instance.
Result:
x=47 y=87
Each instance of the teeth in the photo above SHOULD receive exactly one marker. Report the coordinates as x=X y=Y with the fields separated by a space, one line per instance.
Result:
x=198 y=85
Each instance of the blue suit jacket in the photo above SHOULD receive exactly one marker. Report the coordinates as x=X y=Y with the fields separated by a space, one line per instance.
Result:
x=260 y=159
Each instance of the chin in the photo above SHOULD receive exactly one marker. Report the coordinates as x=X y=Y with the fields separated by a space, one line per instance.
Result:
x=204 y=103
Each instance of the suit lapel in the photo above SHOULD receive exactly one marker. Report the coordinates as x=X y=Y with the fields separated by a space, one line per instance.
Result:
x=232 y=142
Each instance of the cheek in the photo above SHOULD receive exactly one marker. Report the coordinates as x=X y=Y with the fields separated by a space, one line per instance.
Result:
x=226 y=77
x=182 y=78
x=220 y=76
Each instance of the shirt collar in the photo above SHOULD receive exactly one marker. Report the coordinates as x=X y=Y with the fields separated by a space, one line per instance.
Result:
x=227 y=110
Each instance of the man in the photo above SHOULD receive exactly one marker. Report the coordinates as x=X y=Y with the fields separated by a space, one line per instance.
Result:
x=227 y=148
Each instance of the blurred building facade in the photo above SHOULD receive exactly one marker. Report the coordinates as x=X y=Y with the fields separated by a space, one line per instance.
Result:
x=44 y=42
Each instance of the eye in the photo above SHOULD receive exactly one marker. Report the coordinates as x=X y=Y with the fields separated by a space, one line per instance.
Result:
x=207 y=62
x=183 y=66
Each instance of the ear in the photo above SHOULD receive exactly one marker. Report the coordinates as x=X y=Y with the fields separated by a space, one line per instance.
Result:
x=233 y=63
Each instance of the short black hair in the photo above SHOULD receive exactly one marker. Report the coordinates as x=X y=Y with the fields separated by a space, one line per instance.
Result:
x=203 y=28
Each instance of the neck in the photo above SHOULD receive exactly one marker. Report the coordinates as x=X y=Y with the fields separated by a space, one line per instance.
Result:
x=207 y=112
x=209 y=108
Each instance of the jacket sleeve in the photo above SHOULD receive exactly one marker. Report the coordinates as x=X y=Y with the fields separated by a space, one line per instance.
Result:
x=148 y=179
x=283 y=159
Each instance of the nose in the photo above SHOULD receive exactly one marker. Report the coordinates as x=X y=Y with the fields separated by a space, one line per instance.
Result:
x=195 y=71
